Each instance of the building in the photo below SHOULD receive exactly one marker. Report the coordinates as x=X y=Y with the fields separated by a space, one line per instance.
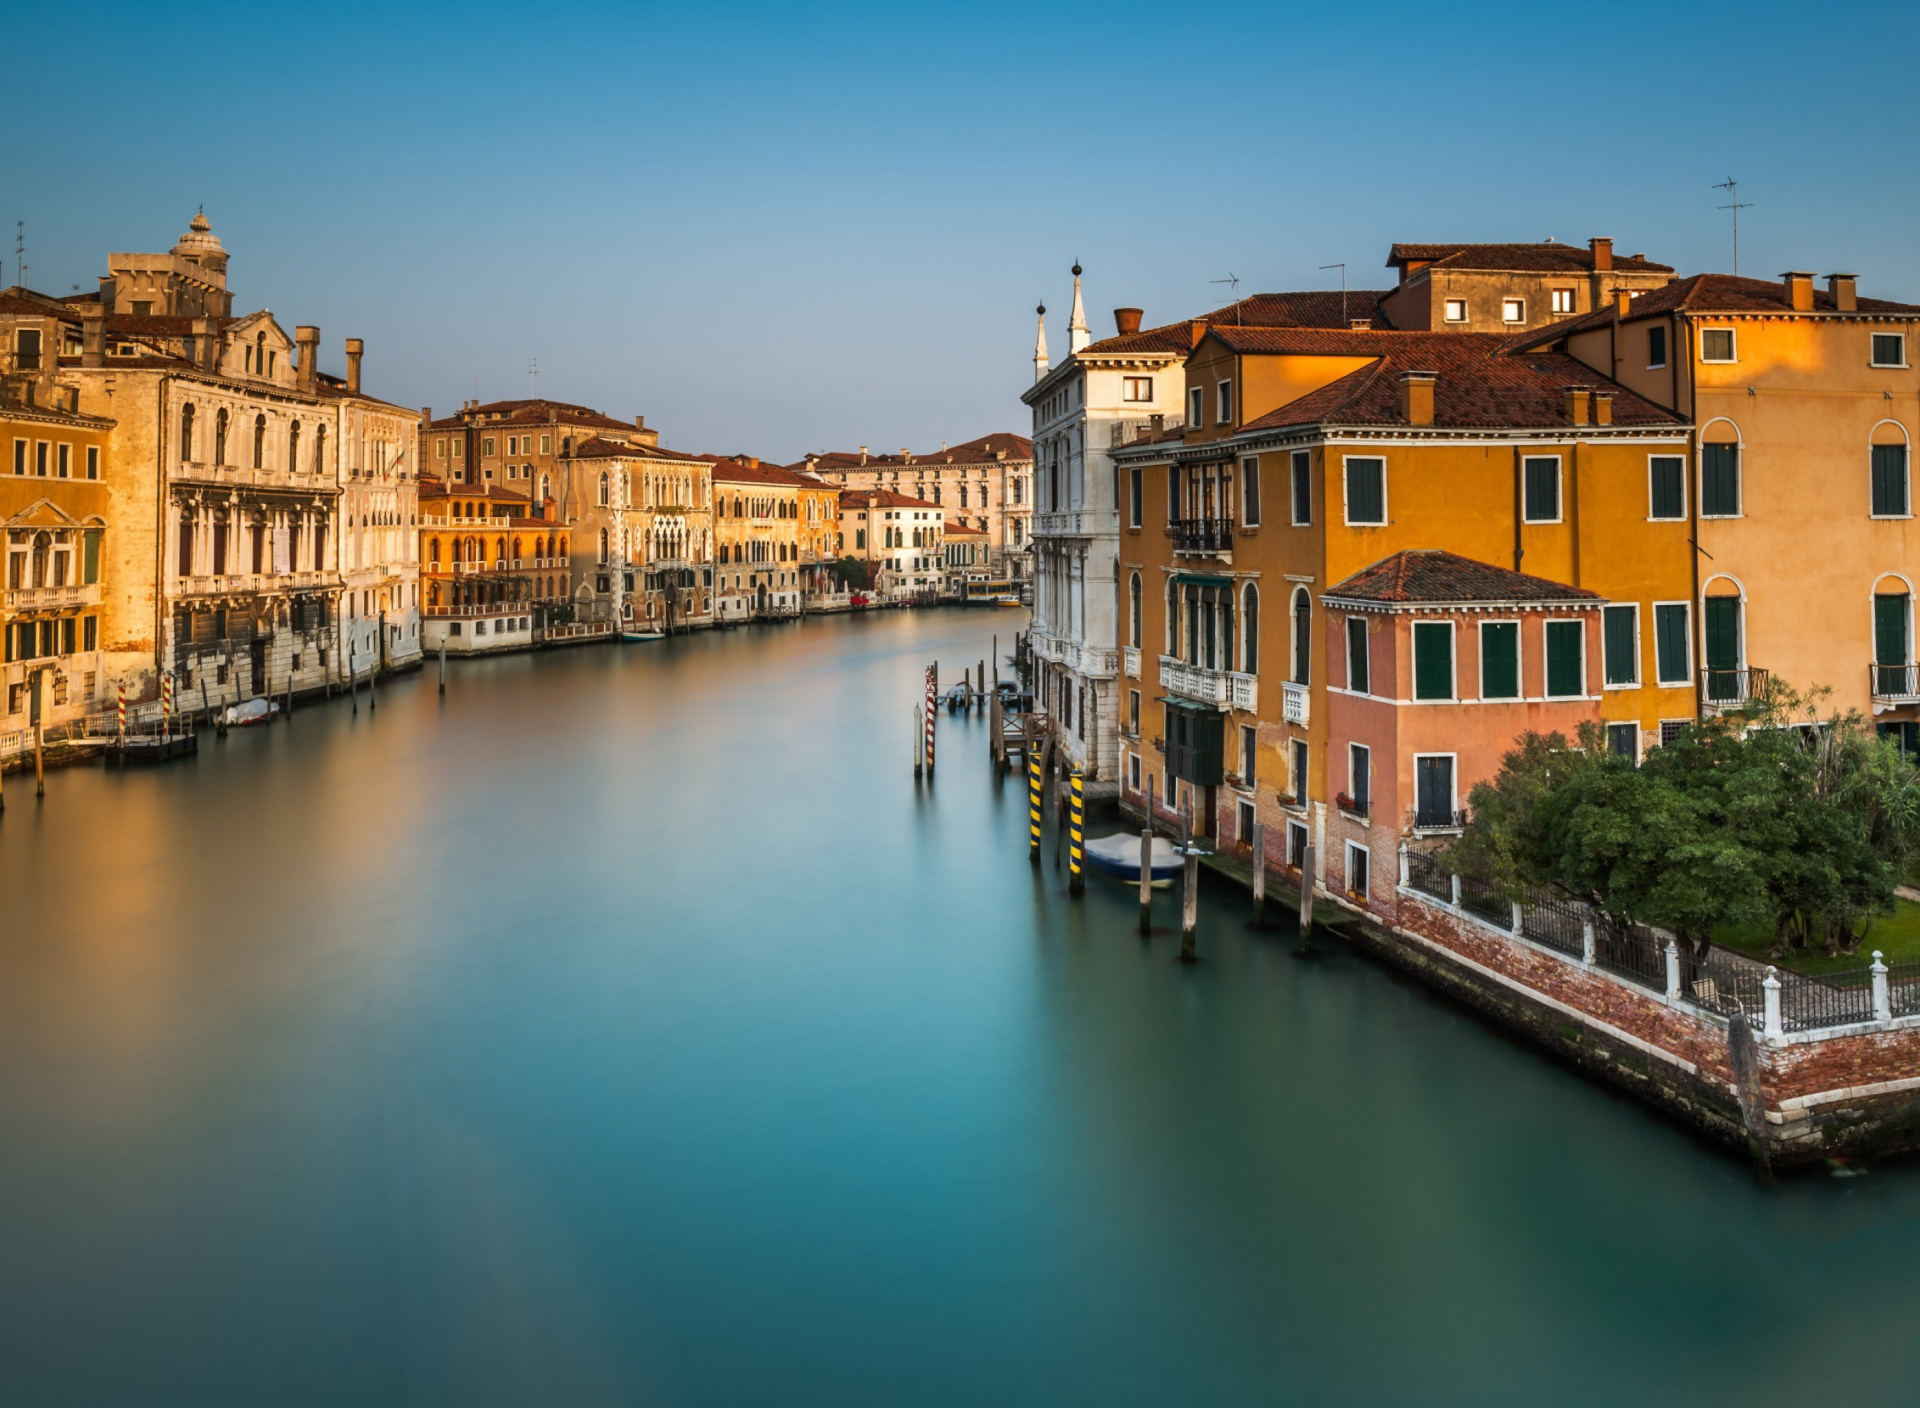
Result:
x=494 y=570
x=969 y=558
x=900 y=541
x=523 y=445
x=1320 y=455
x=1509 y=287
x=55 y=519
x=985 y=484
x=819 y=528
x=646 y=516
x=379 y=538
x=756 y=537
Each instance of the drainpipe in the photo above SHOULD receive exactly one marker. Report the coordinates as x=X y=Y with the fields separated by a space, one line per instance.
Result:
x=160 y=535
x=1518 y=551
x=1698 y=625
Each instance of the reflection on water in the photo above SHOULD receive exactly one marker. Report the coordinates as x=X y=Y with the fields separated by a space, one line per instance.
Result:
x=628 y=1027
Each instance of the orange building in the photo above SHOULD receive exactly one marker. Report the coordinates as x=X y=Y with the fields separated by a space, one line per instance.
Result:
x=492 y=569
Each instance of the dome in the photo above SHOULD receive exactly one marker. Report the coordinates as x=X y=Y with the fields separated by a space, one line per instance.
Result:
x=199 y=241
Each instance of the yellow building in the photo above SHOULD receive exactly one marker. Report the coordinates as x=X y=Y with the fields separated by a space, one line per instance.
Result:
x=492 y=569
x=645 y=527
x=756 y=538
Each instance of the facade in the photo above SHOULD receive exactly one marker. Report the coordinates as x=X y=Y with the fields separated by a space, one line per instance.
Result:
x=1509 y=287
x=521 y=445
x=984 y=484
x=819 y=531
x=900 y=540
x=646 y=522
x=379 y=539
x=968 y=558
x=756 y=534
x=493 y=570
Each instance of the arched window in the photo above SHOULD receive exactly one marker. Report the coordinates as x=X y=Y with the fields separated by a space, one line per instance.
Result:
x=293 y=446
x=500 y=551
x=433 y=551
x=543 y=488
x=626 y=488
x=1250 y=629
x=320 y=449
x=603 y=500
x=1173 y=617
x=186 y=432
x=1134 y=612
x=603 y=536
x=220 y=437
x=517 y=545
x=260 y=442
x=736 y=506
x=259 y=357
x=1890 y=485
x=1302 y=636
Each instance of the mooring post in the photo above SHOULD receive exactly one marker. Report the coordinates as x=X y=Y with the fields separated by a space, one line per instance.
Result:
x=1077 y=847
x=206 y=709
x=980 y=674
x=1033 y=806
x=996 y=663
x=443 y=664
x=287 y=713
x=1746 y=1084
x=1146 y=865
x=919 y=743
x=353 y=678
x=996 y=741
x=39 y=738
x=933 y=686
x=1190 y=908
x=1306 y=897
x=1259 y=874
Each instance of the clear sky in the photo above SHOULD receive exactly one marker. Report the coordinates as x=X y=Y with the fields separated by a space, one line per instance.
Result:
x=772 y=229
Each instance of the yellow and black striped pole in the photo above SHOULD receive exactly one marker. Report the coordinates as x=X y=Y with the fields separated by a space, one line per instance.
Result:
x=1077 y=836
x=1033 y=803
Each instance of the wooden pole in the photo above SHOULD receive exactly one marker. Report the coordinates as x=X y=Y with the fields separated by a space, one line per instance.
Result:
x=443 y=664
x=919 y=743
x=1033 y=803
x=206 y=709
x=996 y=739
x=1077 y=840
x=39 y=737
x=1259 y=874
x=1306 y=897
x=353 y=679
x=996 y=663
x=933 y=692
x=1146 y=865
x=1190 y=909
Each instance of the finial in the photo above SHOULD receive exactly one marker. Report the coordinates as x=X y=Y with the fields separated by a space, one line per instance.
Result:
x=1041 y=310
x=1076 y=268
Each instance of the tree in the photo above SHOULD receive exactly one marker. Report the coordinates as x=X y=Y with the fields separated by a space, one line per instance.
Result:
x=851 y=572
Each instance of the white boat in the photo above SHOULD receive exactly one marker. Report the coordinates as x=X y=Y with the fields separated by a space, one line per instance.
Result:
x=254 y=711
x=1119 y=855
x=643 y=635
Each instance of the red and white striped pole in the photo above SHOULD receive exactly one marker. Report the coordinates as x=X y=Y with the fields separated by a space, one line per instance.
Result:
x=166 y=702
x=932 y=686
x=122 y=710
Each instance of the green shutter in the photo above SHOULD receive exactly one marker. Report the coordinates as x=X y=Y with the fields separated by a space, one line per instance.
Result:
x=1432 y=661
x=1623 y=666
x=1500 y=660
x=1564 y=666
x=1670 y=643
x=1366 y=491
x=1668 y=487
x=1542 y=490
x=90 y=556
x=1890 y=630
x=1720 y=479
x=1890 y=480
x=1359 y=676
x=1723 y=632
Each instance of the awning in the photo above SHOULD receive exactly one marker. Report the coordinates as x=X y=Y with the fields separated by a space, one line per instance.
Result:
x=1203 y=579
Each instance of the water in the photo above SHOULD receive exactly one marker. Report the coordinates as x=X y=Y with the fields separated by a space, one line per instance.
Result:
x=628 y=1028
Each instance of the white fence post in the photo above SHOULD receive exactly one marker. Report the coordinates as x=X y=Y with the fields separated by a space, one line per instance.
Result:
x=1770 y=990
x=1588 y=949
x=1516 y=917
x=1403 y=867
x=1454 y=880
x=1673 y=971
x=1882 y=994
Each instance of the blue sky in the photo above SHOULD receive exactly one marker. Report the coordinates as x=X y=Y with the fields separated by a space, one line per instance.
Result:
x=772 y=229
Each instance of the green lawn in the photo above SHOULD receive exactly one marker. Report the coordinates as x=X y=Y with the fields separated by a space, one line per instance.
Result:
x=1897 y=936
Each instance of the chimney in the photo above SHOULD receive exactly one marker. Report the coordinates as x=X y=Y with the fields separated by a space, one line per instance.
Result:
x=639 y=422
x=1127 y=320
x=1157 y=422
x=1603 y=408
x=1799 y=290
x=1360 y=324
x=1602 y=247
x=1622 y=302
x=1841 y=287
x=355 y=350
x=106 y=292
x=1416 y=397
x=863 y=454
x=93 y=335
x=1577 y=398
x=308 y=341
x=206 y=346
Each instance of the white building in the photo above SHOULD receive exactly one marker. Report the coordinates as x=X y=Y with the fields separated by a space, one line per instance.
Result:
x=901 y=539
x=379 y=537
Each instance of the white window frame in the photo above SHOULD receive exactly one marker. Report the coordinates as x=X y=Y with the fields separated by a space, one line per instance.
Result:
x=1299 y=768
x=93 y=461
x=1367 y=637
x=1347 y=879
x=1872 y=445
x=1519 y=660
x=1891 y=366
x=1386 y=511
x=1306 y=839
x=1559 y=490
x=1447 y=305
x=1686 y=488
x=1131 y=385
x=22 y=456
x=1223 y=402
x=1686 y=608
x=1557 y=297
x=1513 y=310
x=1453 y=804
x=1250 y=474
x=1245 y=818
x=1638 y=661
x=1196 y=406
x=1546 y=661
x=1133 y=772
x=1366 y=748
x=1413 y=661
x=1733 y=342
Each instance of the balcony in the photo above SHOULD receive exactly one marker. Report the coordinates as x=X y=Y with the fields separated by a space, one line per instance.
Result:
x=49 y=598
x=1295 y=702
x=1894 y=684
x=1210 y=536
x=1074 y=523
x=1096 y=662
x=1131 y=658
x=1434 y=822
x=1729 y=689
x=1221 y=688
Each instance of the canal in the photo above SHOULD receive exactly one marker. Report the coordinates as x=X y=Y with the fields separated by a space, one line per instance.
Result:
x=627 y=1028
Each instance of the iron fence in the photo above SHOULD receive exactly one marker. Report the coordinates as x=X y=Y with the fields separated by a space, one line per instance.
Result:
x=1429 y=877
x=1557 y=923
x=1903 y=987
x=1725 y=982
x=1837 y=1000
x=1633 y=951
x=1478 y=899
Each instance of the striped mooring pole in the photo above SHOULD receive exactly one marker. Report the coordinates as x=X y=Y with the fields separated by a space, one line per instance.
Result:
x=166 y=701
x=932 y=687
x=122 y=711
x=1077 y=837
x=1033 y=804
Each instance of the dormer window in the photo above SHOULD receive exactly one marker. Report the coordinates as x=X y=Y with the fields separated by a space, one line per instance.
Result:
x=1563 y=300
x=1456 y=310
x=1513 y=310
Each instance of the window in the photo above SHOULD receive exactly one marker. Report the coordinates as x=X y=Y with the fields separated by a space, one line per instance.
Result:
x=1299 y=778
x=440 y=448
x=1563 y=300
x=1456 y=310
x=1359 y=871
x=1224 y=403
x=1244 y=820
x=1250 y=493
x=1541 y=478
x=1500 y=660
x=1720 y=480
x=1620 y=643
x=1723 y=646
x=1656 y=347
x=1623 y=740
x=1136 y=388
x=1889 y=349
x=1296 y=845
x=93 y=461
x=1134 y=612
x=546 y=444
x=1513 y=310
x=1566 y=659
x=1359 y=671
x=1133 y=770
x=1302 y=488
x=40 y=448
x=1890 y=498
x=1666 y=487
x=1891 y=619
x=19 y=457
x=1716 y=345
x=1366 y=492
x=1249 y=754
x=26 y=350
x=1136 y=495
x=1433 y=660
x=1433 y=789
x=1359 y=777
x=1250 y=629
x=1194 y=398
x=65 y=460
x=1302 y=636
x=486 y=445
x=1133 y=719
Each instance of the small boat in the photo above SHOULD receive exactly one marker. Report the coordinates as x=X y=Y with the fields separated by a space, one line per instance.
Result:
x=254 y=711
x=1119 y=855
x=632 y=634
x=1008 y=601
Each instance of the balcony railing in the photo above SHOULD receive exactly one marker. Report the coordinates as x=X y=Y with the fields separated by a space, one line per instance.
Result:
x=43 y=598
x=1074 y=523
x=1295 y=700
x=1131 y=658
x=1209 y=535
x=1438 y=819
x=1726 y=688
x=1222 y=688
x=1894 y=681
x=1097 y=661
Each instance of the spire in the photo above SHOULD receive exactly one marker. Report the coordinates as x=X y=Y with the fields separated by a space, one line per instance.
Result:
x=1077 y=337
x=1040 y=345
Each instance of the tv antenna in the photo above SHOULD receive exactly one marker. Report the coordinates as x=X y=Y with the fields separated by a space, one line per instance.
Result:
x=1343 y=290
x=20 y=249
x=1736 y=205
x=1232 y=281
x=533 y=370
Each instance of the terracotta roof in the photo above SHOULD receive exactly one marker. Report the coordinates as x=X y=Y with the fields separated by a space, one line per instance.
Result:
x=536 y=411
x=881 y=498
x=987 y=449
x=1439 y=578
x=441 y=489
x=1547 y=257
x=960 y=530
x=1313 y=308
x=731 y=470
x=1710 y=294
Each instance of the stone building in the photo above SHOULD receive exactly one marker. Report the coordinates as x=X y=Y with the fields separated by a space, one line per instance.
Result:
x=899 y=538
x=379 y=540
x=493 y=568
x=646 y=534
x=756 y=539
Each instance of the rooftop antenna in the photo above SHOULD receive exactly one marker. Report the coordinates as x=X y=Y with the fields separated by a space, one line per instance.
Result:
x=1232 y=280
x=20 y=249
x=1736 y=205
x=1343 y=290
x=534 y=371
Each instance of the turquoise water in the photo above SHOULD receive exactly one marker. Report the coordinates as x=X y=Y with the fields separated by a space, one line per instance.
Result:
x=628 y=1028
